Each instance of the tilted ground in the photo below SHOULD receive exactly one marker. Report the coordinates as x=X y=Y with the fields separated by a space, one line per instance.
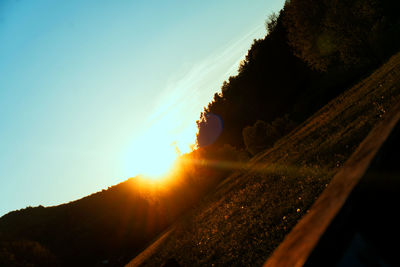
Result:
x=249 y=213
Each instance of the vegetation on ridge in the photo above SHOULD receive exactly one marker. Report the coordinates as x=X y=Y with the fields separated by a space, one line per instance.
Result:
x=309 y=56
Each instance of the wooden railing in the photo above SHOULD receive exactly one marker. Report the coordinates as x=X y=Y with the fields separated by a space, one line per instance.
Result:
x=353 y=220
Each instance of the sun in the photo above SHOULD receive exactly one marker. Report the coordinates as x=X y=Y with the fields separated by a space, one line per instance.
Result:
x=158 y=164
x=152 y=156
x=153 y=152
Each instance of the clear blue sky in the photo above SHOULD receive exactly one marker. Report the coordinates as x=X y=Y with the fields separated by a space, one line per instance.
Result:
x=84 y=86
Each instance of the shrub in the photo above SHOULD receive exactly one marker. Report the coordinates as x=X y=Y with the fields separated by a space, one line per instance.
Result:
x=25 y=253
x=262 y=135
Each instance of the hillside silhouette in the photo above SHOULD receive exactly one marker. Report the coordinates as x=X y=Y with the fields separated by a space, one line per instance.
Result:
x=305 y=96
x=89 y=230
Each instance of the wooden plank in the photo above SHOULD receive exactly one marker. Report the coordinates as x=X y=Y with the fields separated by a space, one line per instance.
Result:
x=300 y=242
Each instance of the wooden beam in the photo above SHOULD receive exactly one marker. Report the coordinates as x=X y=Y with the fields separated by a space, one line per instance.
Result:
x=303 y=238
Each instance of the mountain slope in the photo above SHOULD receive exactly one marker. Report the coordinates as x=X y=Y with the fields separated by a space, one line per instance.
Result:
x=250 y=212
x=111 y=226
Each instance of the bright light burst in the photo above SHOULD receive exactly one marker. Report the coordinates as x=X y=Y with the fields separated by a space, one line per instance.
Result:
x=153 y=153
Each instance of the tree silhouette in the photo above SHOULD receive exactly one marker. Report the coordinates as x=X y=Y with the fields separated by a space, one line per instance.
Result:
x=328 y=32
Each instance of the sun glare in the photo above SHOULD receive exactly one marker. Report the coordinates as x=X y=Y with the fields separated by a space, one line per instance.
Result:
x=153 y=154
x=170 y=130
x=160 y=163
x=152 y=159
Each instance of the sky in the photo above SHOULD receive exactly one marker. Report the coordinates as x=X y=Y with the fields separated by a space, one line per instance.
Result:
x=95 y=92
